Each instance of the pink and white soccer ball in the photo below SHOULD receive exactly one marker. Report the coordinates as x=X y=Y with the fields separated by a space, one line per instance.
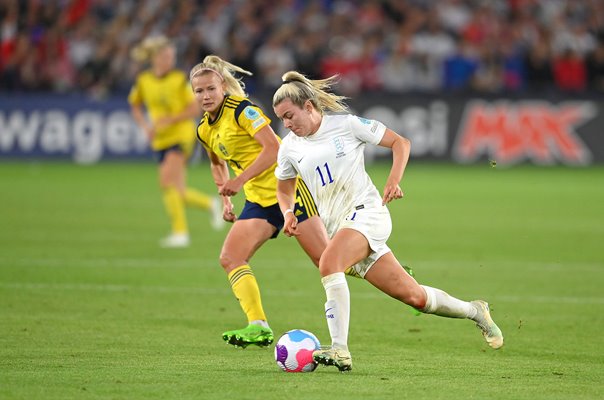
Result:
x=293 y=351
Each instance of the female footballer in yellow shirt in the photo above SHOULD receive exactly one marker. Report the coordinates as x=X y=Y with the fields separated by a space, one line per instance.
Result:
x=165 y=94
x=237 y=133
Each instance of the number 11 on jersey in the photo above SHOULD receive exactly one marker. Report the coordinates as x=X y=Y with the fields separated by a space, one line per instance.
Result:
x=328 y=173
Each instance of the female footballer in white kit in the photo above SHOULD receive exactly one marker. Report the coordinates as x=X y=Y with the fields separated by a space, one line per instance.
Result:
x=325 y=147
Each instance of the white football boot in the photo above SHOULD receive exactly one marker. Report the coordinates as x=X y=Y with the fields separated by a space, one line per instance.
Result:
x=175 y=240
x=489 y=328
x=339 y=358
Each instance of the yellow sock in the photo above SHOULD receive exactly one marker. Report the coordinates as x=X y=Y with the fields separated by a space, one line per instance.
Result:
x=194 y=198
x=244 y=285
x=176 y=210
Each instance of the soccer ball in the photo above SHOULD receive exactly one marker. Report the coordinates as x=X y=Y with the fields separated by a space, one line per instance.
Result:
x=293 y=351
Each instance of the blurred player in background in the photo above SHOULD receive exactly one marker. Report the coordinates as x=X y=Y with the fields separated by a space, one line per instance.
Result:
x=237 y=133
x=165 y=94
x=326 y=151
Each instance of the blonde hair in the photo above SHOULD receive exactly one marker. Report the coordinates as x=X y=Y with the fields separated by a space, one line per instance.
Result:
x=149 y=47
x=225 y=70
x=298 y=88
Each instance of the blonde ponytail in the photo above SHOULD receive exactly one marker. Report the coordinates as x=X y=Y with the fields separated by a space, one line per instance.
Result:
x=145 y=51
x=298 y=88
x=225 y=70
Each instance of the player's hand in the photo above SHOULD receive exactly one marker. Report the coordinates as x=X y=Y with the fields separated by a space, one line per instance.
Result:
x=150 y=132
x=391 y=192
x=163 y=122
x=290 y=226
x=230 y=187
x=227 y=212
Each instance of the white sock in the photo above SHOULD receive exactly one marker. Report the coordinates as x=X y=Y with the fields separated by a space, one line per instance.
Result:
x=444 y=305
x=259 y=322
x=337 y=308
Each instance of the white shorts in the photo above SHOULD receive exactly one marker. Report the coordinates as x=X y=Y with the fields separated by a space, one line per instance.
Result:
x=376 y=225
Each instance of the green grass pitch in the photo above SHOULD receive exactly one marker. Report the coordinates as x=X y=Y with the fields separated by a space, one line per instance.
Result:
x=91 y=308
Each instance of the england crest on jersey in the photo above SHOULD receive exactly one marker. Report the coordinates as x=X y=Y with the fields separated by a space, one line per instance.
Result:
x=338 y=143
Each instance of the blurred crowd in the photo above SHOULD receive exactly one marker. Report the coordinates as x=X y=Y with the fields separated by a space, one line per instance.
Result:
x=495 y=46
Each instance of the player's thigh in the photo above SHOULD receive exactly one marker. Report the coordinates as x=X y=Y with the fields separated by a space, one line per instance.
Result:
x=388 y=275
x=245 y=237
x=172 y=171
x=347 y=247
x=313 y=238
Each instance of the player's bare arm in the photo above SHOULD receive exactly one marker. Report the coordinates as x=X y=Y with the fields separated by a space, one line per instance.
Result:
x=286 y=191
x=139 y=116
x=401 y=148
x=220 y=173
x=267 y=157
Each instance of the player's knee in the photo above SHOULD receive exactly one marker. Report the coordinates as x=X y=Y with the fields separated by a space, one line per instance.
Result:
x=329 y=265
x=416 y=298
x=227 y=262
x=166 y=183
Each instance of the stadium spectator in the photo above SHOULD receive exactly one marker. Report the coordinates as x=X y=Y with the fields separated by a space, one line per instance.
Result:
x=95 y=76
x=81 y=41
x=569 y=71
x=308 y=49
x=398 y=68
x=57 y=69
x=274 y=57
x=165 y=94
x=487 y=74
x=430 y=45
x=19 y=63
x=372 y=56
x=343 y=60
x=595 y=67
x=514 y=72
x=460 y=68
x=538 y=64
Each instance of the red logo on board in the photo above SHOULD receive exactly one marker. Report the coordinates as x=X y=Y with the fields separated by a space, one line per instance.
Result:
x=513 y=132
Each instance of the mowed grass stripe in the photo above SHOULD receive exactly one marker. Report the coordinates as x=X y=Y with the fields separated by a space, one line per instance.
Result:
x=183 y=262
x=267 y=292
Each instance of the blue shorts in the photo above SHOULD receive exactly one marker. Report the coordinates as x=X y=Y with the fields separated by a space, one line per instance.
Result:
x=304 y=208
x=272 y=214
x=160 y=155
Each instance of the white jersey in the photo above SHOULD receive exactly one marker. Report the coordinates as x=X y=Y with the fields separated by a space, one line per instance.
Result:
x=332 y=164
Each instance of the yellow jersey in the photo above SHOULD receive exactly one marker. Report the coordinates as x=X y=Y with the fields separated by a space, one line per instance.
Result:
x=164 y=96
x=231 y=137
